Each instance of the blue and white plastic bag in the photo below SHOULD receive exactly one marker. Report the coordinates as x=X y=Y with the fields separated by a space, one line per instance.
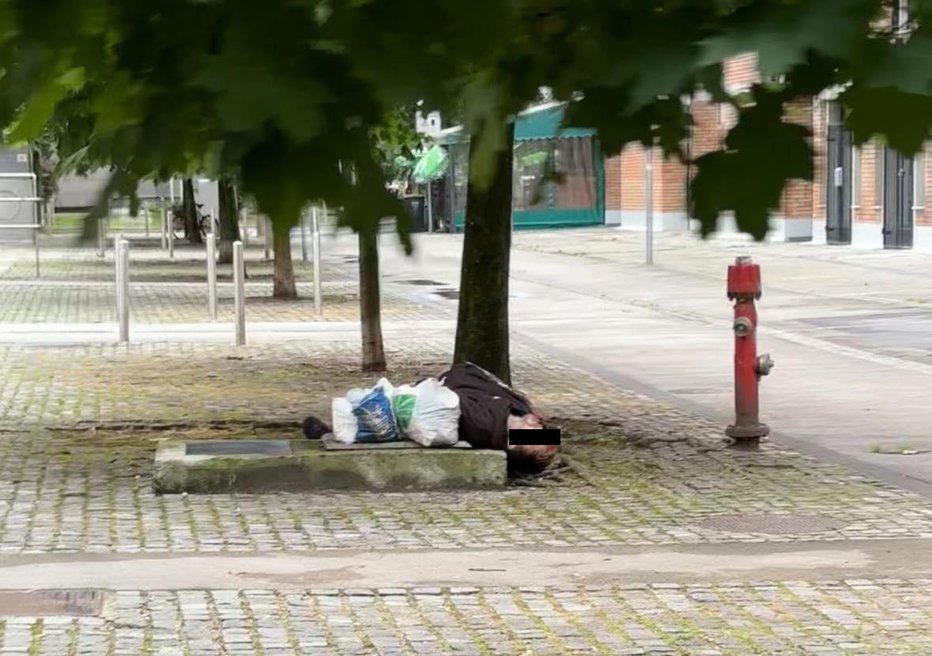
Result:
x=366 y=415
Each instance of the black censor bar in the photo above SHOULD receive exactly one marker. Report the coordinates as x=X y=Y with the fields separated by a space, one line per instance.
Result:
x=534 y=437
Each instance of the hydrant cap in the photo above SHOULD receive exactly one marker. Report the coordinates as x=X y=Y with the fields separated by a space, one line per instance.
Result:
x=744 y=279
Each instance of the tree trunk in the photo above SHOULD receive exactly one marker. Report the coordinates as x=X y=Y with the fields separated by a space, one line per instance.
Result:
x=283 y=284
x=192 y=231
x=229 y=219
x=370 y=303
x=482 y=323
x=41 y=183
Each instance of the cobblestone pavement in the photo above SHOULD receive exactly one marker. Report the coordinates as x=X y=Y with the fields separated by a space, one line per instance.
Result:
x=82 y=490
x=151 y=266
x=154 y=303
x=78 y=427
x=794 y=617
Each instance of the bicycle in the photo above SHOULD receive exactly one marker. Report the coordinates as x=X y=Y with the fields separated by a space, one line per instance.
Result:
x=203 y=221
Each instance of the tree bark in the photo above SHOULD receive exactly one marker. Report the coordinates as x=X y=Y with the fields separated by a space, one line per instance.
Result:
x=370 y=302
x=192 y=231
x=229 y=219
x=482 y=322
x=40 y=186
x=283 y=283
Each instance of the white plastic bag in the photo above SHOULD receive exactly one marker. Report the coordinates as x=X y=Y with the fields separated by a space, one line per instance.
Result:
x=344 y=421
x=357 y=394
x=435 y=421
x=349 y=427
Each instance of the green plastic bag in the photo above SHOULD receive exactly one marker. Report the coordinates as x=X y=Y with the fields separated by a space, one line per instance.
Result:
x=403 y=405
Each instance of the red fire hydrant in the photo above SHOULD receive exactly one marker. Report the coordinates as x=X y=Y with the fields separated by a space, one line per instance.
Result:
x=744 y=288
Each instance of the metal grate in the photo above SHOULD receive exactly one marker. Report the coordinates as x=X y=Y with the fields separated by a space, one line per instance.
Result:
x=424 y=283
x=772 y=524
x=51 y=603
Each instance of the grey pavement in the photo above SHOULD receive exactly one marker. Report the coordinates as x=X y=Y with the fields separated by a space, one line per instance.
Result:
x=653 y=540
x=848 y=330
x=503 y=567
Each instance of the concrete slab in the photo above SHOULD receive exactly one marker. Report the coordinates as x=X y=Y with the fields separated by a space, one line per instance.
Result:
x=282 y=466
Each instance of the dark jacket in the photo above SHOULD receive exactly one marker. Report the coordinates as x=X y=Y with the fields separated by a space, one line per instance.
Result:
x=485 y=403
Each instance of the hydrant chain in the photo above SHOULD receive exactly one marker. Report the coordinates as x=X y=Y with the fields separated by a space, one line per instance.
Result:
x=744 y=287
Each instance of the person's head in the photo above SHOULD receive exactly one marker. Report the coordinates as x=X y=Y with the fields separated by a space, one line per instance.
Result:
x=529 y=459
x=524 y=422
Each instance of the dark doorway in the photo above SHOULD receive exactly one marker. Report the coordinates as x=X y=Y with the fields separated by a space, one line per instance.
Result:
x=897 y=200
x=838 y=178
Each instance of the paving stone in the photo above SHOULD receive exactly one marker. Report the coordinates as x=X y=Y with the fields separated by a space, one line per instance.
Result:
x=89 y=489
x=80 y=424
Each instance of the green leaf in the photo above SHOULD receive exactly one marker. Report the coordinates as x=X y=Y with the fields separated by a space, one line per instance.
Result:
x=904 y=66
x=251 y=93
x=659 y=68
x=486 y=124
x=41 y=107
x=904 y=120
x=762 y=153
x=781 y=34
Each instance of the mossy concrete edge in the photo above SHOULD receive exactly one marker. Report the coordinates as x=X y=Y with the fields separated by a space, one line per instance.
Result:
x=312 y=468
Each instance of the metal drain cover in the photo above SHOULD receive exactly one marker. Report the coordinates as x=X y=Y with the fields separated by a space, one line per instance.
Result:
x=51 y=603
x=421 y=282
x=772 y=524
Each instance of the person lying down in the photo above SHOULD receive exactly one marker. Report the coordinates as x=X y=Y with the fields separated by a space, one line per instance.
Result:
x=488 y=410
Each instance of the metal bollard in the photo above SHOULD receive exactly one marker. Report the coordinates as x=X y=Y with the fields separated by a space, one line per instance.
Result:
x=212 y=277
x=117 y=240
x=315 y=249
x=239 y=292
x=267 y=224
x=744 y=287
x=101 y=238
x=304 y=237
x=171 y=234
x=118 y=280
x=244 y=230
x=146 y=210
x=123 y=289
x=164 y=218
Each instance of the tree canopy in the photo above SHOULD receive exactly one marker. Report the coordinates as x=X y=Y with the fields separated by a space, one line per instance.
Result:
x=286 y=94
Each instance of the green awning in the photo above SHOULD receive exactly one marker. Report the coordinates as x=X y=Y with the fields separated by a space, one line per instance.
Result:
x=431 y=165
x=545 y=124
x=534 y=124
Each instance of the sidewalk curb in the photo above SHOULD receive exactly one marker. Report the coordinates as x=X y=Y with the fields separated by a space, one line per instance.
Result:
x=880 y=473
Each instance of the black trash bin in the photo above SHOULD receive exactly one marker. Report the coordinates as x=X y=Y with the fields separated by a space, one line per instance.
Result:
x=416 y=209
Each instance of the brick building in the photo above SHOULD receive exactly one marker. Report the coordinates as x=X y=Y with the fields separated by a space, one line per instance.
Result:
x=865 y=196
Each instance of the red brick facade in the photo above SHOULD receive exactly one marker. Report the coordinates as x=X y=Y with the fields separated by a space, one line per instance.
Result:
x=802 y=201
